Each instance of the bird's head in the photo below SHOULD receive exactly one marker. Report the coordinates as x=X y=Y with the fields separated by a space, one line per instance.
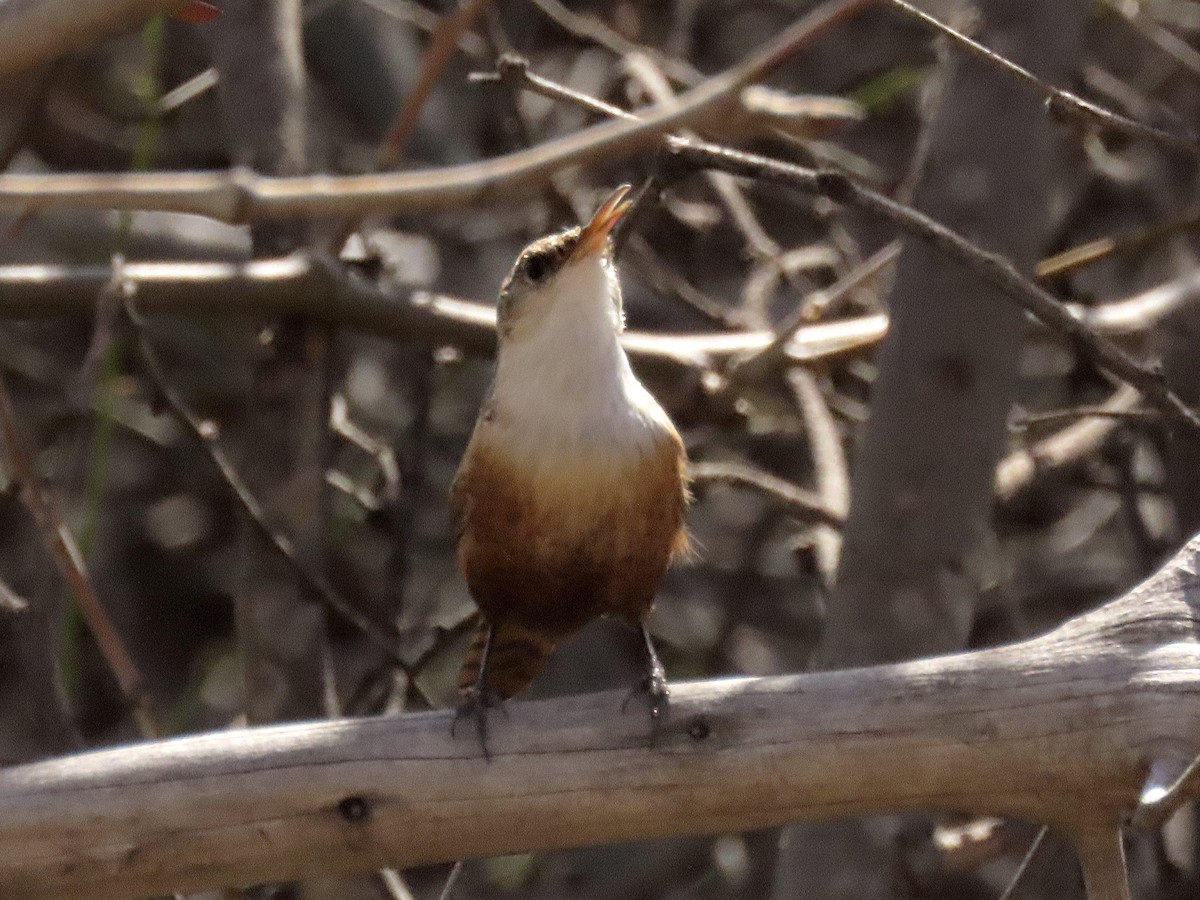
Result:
x=573 y=267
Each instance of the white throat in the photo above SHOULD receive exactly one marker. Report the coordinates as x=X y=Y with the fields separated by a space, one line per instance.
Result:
x=565 y=384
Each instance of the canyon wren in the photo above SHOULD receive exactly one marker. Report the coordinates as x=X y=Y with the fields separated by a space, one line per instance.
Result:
x=568 y=504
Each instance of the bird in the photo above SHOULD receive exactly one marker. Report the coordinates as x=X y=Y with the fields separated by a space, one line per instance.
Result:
x=569 y=501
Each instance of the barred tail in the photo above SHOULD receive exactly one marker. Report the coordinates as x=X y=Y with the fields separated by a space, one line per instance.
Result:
x=516 y=656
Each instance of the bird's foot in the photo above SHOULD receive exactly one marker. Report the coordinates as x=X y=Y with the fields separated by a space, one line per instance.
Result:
x=476 y=703
x=658 y=695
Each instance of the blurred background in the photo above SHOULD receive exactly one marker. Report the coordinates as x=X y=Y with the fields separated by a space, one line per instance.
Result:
x=347 y=433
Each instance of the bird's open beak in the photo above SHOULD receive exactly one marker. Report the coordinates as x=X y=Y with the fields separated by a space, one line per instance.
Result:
x=595 y=233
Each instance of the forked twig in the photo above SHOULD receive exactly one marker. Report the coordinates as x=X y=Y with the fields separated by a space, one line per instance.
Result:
x=799 y=502
x=1059 y=101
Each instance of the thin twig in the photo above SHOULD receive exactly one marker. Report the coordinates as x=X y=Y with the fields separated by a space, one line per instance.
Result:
x=240 y=196
x=754 y=364
x=992 y=268
x=1027 y=860
x=451 y=880
x=61 y=545
x=383 y=638
x=830 y=469
x=1094 y=251
x=1031 y=420
x=437 y=57
x=395 y=141
x=1018 y=471
x=651 y=268
x=391 y=881
x=513 y=71
x=1059 y=101
x=596 y=31
x=799 y=502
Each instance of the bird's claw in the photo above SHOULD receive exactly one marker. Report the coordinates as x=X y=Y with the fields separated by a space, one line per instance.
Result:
x=658 y=695
x=476 y=703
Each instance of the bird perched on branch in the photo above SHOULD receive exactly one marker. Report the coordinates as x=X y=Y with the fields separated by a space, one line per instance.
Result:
x=569 y=501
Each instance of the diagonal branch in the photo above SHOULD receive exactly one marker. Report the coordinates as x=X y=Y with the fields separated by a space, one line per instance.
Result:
x=240 y=196
x=798 y=501
x=61 y=545
x=383 y=638
x=1060 y=101
x=990 y=267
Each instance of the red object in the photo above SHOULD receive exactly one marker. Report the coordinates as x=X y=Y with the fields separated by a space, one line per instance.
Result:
x=197 y=11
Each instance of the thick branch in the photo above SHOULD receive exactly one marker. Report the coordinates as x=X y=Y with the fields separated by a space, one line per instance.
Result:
x=36 y=31
x=1059 y=729
x=296 y=285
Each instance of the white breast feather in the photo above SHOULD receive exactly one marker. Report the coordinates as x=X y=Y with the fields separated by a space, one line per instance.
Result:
x=567 y=385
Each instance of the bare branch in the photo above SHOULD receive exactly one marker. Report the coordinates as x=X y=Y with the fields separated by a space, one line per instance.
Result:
x=1053 y=729
x=1020 y=468
x=445 y=41
x=830 y=469
x=299 y=285
x=789 y=327
x=61 y=546
x=801 y=503
x=991 y=268
x=303 y=286
x=241 y=196
x=1060 y=101
x=1026 y=861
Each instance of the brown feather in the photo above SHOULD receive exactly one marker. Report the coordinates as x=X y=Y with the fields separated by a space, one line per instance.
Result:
x=547 y=545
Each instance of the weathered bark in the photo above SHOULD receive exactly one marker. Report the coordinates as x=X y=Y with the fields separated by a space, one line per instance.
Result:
x=917 y=536
x=1061 y=729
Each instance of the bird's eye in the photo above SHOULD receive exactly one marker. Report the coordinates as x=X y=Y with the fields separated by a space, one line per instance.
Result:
x=535 y=267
